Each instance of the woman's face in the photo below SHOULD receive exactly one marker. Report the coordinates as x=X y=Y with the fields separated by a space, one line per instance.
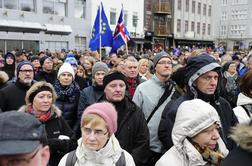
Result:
x=9 y=60
x=65 y=79
x=95 y=137
x=232 y=68
x=87 y=65
x=143 y=68
x=80 y=72
x=42 y=102
x=98 y=77
x=208 y=137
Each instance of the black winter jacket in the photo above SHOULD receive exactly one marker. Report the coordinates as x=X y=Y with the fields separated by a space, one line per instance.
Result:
x=44 y=76
x=132 y=131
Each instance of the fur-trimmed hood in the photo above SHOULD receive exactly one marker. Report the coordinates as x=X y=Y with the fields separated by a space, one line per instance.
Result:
x=54 y=109
x=3 y=77
x=242 y=135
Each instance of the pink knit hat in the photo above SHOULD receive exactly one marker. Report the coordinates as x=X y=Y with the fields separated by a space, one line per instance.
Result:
x=106 y=111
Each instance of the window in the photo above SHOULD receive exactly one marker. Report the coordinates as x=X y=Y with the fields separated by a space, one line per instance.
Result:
x=187 y=5
x=204 y=29
x=54 y=7
x=23 y=5
x=186 y=26
x=113 y=17
x=199 y=8
x=178 y=25
x=193 y=6
x=134 y=20
x=209 y=10
x=198 y=27
x=80 y=43
x=80 y=8
x=179 y=4
x=209 y=29
x=192 y=26
x=204 y=9
x=125 y=18
x=56 y=45
x=13 y=4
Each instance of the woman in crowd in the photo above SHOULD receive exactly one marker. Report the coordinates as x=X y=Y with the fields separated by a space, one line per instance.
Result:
x=91 y=94
x=9 y=64
x=195 y=136
x=144 y=69
x=40 y=100
x=243 y=111
x=98 y=145
x=88 y=64
x=68 y=93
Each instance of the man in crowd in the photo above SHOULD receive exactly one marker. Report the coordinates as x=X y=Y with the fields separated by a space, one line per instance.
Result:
x=132 y=132
x=22 y=140
x=147 y=97
x=12 y=96
x=202 y=77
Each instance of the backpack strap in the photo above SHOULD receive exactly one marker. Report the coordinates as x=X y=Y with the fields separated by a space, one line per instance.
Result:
x=121 y=161
x=246 y=110
x=71 y=158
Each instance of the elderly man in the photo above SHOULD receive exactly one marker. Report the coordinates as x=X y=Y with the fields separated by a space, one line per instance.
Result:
x=22 y=140
x=12 y=96
x=202 y=77
x=132 y=132
x=152 y=96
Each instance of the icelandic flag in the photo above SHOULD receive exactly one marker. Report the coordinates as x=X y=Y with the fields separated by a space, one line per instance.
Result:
x=121 y=35
x=101 y=31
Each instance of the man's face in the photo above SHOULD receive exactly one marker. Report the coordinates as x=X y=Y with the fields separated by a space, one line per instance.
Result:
x=131 y=69
x=115 y=91
x=207 y=83
x=36 y=63
x=164 y=68
x=48 y=65
x=26 y=74
x=39 y=157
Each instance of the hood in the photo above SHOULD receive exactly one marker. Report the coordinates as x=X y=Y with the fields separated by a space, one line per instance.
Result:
x=3 y=77
x=193 y=116
x=55 y=110
x=198 y=66
x=243 y=99
x=242 y=135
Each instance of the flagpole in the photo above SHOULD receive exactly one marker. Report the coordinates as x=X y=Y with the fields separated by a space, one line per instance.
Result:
x=126 y=43
x=100 y=40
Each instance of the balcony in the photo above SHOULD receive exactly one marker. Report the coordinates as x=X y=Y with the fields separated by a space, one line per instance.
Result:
x=162 y=8
x=162 y=30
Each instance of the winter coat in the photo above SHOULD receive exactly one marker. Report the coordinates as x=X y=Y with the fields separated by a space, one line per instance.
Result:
x=108 y=155
x=88 y=96
x=240 y=112
x=67 y=102
x=61 y=138
x=242 y=155
x=188 y=124
x=44 y=76
x=146 y=97
x=228 y=119
x=12 y=97
x=82 y=82
x=132 y=131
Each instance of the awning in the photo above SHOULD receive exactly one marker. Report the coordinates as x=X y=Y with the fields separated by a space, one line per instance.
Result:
x=12 y=25
x=60 y=29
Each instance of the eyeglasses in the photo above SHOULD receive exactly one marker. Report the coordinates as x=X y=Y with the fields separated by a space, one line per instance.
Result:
x=21 y=161
x=89 y=131
x=165 y=62
x=26 y=71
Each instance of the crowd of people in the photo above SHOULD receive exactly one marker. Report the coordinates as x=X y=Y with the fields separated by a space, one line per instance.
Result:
x=150 y=109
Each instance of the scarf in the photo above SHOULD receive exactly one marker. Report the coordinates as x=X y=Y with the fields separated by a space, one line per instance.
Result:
x=69 y=92
x=213 y=157
x=132 y=83
x=41 y=116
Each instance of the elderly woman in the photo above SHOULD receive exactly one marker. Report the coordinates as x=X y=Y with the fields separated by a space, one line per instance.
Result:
x=243 y=111
x=40 y=100
x=98 y=145
x=144 y=69
x=68 y=93
x=195 y=136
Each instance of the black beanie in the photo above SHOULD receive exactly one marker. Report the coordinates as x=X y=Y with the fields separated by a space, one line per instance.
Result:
x=42 y=60
x=114 y=76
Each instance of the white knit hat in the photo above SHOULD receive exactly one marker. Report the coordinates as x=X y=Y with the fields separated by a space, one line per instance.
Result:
x=66 y=68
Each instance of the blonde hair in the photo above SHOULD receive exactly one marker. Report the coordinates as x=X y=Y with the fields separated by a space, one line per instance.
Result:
x=93 y=119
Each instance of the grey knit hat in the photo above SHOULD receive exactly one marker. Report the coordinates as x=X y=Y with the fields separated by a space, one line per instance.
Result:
x=99 y=66
x=159 y=56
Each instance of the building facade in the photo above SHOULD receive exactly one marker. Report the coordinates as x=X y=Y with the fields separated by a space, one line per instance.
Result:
x=60 y=24
x=233 y=24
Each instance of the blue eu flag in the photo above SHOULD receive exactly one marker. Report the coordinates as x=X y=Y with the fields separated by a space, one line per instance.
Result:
x=101 y=31
x=121 y=35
